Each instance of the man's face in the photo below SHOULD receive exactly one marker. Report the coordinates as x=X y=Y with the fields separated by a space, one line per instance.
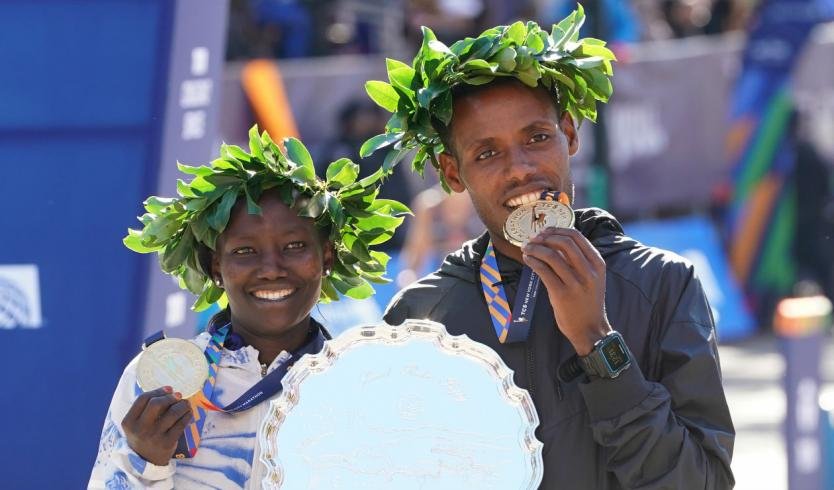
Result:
x=509 y=145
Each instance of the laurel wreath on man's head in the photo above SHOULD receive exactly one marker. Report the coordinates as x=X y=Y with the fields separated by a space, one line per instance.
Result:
x=576 y=71
x=177 y=228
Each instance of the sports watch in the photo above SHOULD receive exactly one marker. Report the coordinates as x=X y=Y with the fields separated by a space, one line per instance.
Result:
x=609 y=357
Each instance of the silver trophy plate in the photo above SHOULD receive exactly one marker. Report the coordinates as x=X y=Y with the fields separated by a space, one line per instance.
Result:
x=406 y=407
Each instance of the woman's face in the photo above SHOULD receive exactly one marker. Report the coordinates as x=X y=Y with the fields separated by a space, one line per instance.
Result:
x=271 y=267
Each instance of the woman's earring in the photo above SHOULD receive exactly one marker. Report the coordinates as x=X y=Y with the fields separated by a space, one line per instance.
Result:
x=218 y=282
x=326 y=271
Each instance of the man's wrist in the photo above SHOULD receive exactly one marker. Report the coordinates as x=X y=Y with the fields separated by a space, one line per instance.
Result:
x=584 y=344
x=609 y=357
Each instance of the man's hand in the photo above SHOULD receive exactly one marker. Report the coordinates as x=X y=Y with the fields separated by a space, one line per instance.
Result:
x=155 y=422
x=573 y=272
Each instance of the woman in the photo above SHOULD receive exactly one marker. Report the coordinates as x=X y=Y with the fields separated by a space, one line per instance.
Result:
x=262 y=232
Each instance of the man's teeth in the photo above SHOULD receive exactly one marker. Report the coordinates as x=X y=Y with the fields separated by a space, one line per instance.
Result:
x=524 y=199
x=273 y=295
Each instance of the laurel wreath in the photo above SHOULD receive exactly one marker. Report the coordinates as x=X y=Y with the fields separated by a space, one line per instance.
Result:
x=577 y=71
x=175 y=228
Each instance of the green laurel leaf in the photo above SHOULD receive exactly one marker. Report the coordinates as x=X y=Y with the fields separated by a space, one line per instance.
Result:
x=176 y=228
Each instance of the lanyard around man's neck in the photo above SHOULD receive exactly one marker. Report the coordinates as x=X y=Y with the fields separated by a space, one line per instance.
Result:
x=510 y=326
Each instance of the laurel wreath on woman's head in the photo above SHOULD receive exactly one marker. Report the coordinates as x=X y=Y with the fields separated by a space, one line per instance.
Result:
x=576 y=71
x=177 y=228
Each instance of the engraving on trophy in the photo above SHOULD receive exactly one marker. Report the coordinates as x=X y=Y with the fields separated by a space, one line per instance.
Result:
x=401 y=407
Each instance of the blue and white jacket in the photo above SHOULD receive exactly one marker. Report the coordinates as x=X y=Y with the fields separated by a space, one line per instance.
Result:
x=228 y=456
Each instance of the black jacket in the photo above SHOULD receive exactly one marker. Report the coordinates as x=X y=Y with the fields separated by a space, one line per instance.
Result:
x=663 y=423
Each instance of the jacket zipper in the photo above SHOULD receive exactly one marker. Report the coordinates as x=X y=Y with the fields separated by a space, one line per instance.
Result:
x=531 y=362
x=559 y=394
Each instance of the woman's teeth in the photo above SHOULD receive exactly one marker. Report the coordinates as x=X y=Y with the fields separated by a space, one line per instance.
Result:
x=524 y=199
x=272 y=295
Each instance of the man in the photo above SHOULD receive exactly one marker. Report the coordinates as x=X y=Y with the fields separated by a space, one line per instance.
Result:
x=620 y=358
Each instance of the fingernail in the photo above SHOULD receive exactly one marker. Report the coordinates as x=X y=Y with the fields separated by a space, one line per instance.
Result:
x=167 y=389
x=178 y=395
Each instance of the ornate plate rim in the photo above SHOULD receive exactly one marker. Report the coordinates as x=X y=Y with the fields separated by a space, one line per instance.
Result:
x=394 y=334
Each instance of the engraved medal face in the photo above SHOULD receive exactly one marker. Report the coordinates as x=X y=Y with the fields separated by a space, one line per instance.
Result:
x=528 y=220
x=177 y=363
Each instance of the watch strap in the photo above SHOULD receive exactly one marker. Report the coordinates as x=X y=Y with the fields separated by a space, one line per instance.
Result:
x=570 y=369
x=594 y=363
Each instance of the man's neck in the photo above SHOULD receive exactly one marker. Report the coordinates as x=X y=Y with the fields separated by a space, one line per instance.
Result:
x=506 y=248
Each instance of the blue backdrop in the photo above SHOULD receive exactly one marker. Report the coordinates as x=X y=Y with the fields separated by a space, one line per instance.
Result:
x=83 y=90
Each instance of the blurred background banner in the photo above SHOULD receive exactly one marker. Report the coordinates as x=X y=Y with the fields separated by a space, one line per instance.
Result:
x=762 y=148
x=189 y=133
x=95 y=95
x=667 y=122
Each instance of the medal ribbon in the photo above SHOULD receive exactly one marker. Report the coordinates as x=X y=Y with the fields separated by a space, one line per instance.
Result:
x=262 y=390
x=512 y=326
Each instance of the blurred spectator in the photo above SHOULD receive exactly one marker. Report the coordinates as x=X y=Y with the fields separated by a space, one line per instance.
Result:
x=729 y=15
x=441 y=223
x=245 y=38
x=697 y=17
x=652 y=19
x=278 y=28
x=360 y=119
x=612 y=20
x=814 y=238
x=292 y=21
x=449 y=19
x=505 y=12
x=687 y=17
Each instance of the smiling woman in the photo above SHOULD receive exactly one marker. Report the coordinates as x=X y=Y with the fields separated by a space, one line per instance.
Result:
x=260 y=234
x=271 y=266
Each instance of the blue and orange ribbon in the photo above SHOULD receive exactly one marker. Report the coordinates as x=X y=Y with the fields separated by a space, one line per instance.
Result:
x=202 y=402
x=512 y=325
x=496 y=298
x=190 y=439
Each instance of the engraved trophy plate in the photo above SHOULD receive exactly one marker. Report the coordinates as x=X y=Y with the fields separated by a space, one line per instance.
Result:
x=528 y=220
x=177 y=363
x=406 y=407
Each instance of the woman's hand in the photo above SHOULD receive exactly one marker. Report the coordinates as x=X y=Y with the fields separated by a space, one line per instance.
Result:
x=155 y=422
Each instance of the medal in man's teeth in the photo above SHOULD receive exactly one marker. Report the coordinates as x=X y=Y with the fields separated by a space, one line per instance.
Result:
x=528 y=220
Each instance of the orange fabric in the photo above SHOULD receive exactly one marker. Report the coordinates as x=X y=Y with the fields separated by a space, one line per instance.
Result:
x=267 y=96
x=753 y=223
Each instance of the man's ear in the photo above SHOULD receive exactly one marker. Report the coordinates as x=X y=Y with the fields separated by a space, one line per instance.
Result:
x=451 y=171
x=568 y=127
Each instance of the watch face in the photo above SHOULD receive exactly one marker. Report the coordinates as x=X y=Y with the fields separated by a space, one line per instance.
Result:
x=615 y=354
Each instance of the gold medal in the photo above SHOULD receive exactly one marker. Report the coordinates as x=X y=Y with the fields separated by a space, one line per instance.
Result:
x=177 y=363
x=528 y=220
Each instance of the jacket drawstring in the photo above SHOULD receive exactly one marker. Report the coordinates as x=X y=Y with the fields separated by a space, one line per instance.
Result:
x=559 y=393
